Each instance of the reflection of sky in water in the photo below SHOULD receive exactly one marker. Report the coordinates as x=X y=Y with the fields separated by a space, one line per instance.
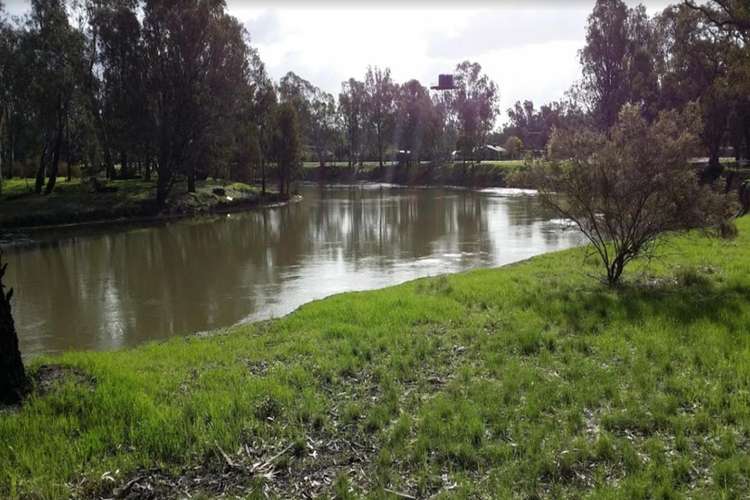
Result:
x=110 y=289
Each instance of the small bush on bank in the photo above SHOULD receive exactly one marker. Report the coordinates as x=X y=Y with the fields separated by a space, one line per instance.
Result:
x=625 y=188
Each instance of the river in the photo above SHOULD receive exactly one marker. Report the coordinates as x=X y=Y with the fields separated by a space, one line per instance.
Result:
x=104 y=289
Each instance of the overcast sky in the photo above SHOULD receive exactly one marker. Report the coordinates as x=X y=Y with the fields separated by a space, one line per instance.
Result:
x=530 y=49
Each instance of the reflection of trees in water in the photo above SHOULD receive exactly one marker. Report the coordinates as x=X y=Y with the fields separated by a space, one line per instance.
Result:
x=107 y=290
x=395 y=223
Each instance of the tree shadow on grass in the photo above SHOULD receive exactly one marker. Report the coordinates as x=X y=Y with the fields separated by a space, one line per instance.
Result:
x=684 y=302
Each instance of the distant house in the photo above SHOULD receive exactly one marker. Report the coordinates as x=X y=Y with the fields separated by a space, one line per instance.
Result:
x=492 y=152
x=485 y=152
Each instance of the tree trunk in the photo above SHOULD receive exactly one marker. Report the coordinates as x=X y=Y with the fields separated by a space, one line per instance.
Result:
x=101 y=130
x=163 y=181
x=191 y=178
x=380 y=152
x=11 y=153
x=2 y=120
x=162 y=191
x=41 y=171
x=262 y=177
x=614 y=271
x=744 y=196
x=124 y=169
x=13 y=383
x=67 y=147
x=52 y=179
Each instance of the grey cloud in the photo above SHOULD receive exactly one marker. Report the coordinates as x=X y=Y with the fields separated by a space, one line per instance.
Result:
x=16 y=7
x=507 y=29
x=266 y=28
x=324 y=78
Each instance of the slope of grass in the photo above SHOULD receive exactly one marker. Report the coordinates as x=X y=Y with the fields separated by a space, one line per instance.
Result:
x=531 y=380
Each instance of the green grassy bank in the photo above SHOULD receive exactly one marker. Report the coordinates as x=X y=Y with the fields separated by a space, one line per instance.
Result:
x=527 y=381
x=73 y=203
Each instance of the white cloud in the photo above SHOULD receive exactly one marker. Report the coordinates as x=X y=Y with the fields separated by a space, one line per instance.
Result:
x=530 y=54
x=529 y=48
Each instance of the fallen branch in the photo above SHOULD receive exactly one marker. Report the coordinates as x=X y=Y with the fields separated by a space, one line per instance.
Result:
x=229 y=461
x=399 y=494
x=268 y=463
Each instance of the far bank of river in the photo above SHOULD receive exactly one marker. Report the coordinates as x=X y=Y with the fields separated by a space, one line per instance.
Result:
x=119 y=201
x=470 y=174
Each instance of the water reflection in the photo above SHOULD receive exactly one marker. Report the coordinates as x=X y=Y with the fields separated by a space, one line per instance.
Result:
x=107 y=290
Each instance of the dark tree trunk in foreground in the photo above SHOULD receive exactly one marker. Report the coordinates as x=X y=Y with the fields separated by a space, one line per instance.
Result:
x=12 y=374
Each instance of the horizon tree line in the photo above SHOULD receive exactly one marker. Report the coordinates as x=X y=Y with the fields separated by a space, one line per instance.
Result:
x=688 y=52
x=173 y=90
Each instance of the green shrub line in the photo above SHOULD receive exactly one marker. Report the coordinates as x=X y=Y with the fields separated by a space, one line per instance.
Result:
x=523 y=381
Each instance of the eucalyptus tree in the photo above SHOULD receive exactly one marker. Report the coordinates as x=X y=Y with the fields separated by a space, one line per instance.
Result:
x=415 y=121
x=474 y=103
x=323 y=124
x=253 y=121
x=619 y=61
x=301 y=94
x=352 y=109
x=54 y=51
x=265 y=103
x=696 y=68
x=287 y=145
x=727 y=15
x=7 y=37
x=316 y=112
x=380 y=93
x=196 y=57
x=119 y=57
x=732 y=19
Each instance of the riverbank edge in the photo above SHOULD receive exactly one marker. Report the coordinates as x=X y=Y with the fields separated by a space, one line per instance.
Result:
x=408 y=372
x=469 y=175
x=20 y=236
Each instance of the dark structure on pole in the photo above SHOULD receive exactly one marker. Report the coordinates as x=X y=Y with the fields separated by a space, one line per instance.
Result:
x=13 y=383
x=445 y=82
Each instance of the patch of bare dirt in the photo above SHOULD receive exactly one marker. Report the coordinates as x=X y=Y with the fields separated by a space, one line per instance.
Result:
x=48 y=377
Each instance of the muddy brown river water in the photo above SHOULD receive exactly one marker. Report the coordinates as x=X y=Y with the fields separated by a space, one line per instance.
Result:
x=103 y=289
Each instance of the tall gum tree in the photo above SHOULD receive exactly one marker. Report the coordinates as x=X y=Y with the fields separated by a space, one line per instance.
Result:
x=380 y=93
x=618 y=61
x=55 y=61
x=196 y=58
x=474 y=103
